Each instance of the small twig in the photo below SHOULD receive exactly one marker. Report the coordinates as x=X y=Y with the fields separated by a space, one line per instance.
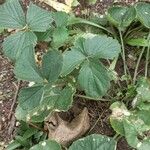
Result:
x=100 y=116
x=35 y=126
x=14 y=100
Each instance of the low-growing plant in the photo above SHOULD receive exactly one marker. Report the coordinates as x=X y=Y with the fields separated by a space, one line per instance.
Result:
x=78 y=61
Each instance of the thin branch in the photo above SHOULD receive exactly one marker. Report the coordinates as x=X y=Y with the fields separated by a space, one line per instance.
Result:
x=14 y=100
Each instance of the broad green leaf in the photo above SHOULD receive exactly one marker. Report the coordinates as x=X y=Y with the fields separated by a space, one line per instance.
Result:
x=38 y=19
x=121 y=16
x=46 y=145
x=12 y=15
x=14 y=44
x=71 y=60
x=94 y=78
x=37 y=102
x=65 y=99
x=25 y=66
x=94 y=47
x=138 y=42
x=94 y=142
x=143 y=13
x=99 y=46
x=52 y=65
x=30 y=98
x=60 y=35
x=60 y=18
x=130 y=134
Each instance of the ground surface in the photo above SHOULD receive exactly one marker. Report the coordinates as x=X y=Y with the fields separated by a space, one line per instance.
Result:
x=99 y=111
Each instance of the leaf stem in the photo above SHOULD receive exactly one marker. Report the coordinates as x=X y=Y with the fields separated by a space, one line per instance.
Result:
x=147 y=56
x=91 y=98
x=137 y=65
x=123 y=53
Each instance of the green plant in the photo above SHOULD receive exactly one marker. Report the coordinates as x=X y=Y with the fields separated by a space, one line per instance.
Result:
x=77 y=61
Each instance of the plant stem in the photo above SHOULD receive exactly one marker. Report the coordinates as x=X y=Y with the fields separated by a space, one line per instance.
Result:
x=147 y=56
x=91 y=98
x=123 y=53
x=137 y=65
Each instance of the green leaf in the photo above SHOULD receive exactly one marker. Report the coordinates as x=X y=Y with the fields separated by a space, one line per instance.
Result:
x=143 y=13
x=60 y=35
x=145 y=145
x=94 y=78
x=71 y=60
x=38 y=19
x=130 y=134
x=94 y=47
x=37 y=102
x=46 y=145
x=65 y=99
x=121 y=16
x=138 y=42
x=60 y=18
x=14 y=44
x=12 y=15
x=25 y=66
x=94 y=142
x=52 y=65
x=98 y=46
x=30 y=98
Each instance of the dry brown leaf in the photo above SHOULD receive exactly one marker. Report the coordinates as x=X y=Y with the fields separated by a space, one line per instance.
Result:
x=64 y=132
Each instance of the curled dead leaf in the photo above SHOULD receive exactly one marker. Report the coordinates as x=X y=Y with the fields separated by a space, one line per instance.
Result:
x=66 y=132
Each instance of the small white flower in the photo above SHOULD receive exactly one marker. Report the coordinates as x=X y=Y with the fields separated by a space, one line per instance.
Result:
x=146 y=13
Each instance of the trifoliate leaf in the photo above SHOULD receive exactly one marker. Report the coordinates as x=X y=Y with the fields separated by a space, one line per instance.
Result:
x=14 y=44
x=12 y=15
x=52 y=65
x=121 y=16
x=94 y=142
x=38 y=19
x=94 y=79
x=143 y=13
x=46 y=145
x=25 y=67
